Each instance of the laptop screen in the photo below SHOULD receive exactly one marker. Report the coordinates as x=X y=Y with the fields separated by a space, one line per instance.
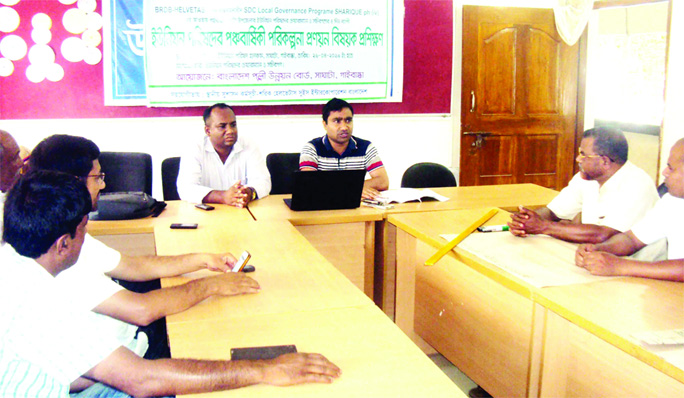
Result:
x=327 y=190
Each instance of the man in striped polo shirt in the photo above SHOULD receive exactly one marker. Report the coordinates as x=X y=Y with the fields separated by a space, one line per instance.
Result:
x=338 y=150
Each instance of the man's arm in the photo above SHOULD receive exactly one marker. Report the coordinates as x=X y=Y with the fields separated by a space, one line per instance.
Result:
x=602 y=263
x=237 y=195
x=622 y=244
x=144 y=308
x=145 y=268
x=379 y=181
x=144 y=378
x=544 y=221
x=190 y=176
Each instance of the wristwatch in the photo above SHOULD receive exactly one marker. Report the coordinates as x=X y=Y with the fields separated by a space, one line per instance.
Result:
x=254 y=194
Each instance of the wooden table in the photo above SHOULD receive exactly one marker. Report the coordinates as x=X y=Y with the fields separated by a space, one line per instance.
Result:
x=304 y=301
x=361 y=245
x=136 y=237
x=515 y=339
x=376 y=359
x=346 y=238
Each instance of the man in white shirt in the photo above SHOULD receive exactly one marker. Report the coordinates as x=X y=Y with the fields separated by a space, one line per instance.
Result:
x=606 y=197
x=222 y=168
x=10 y=164
x=46 y=342
x=663 y=221
x=90 y=279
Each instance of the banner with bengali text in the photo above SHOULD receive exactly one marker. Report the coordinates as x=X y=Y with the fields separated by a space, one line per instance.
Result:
x=269 y=52
x=124 y=53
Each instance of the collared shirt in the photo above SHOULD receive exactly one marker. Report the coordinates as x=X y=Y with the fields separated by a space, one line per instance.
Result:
x=664 y=221
x=202 y=171
x=45 y=342
x=88 y=286
x=622 y=200
x=318 y=154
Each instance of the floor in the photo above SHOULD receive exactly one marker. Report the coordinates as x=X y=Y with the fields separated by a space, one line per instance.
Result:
x=461 y=380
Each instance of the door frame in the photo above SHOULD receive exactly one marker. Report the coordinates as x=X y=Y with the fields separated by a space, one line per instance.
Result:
x=456 y=76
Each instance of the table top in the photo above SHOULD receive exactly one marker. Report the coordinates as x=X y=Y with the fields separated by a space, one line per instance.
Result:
x=176 y=211
x=611 y=309
x=376 y=358
x=506 y=197
x=273 y=207
x=291 y=273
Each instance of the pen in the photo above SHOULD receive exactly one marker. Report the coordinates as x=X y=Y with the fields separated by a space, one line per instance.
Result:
x=493 y=228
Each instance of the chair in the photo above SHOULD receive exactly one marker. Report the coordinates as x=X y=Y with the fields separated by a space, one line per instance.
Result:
x=169 y=170
x=427 y=175
x=127 y=171
x=282 y=166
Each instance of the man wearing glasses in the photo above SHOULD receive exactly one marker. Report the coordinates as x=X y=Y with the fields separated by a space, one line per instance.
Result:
x=606 y=197
x=89 y=280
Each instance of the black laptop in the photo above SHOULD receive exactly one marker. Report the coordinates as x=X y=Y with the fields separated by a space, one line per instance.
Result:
x=326 y=190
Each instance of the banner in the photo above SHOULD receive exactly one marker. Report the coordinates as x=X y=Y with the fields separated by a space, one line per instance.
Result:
x=269 y=52
x=124 y=53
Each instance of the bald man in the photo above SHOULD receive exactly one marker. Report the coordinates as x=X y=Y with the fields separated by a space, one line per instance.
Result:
x=663 y=221
x=10 y=164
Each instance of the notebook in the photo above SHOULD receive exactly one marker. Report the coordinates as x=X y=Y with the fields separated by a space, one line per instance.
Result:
x=326 y=190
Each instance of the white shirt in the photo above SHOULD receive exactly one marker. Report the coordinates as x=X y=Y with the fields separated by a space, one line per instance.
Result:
x=622 y=200
x=665 y=220
x=88 y=286
x=45 y=343
x=2 y=212
x=201 y=170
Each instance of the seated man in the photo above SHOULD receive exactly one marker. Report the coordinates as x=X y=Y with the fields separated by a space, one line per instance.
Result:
x=337 y=150
x=46 y=342
x=10 y=164
x=606 y=197
x=222 y=168
x=663 y=221
x=89 y=280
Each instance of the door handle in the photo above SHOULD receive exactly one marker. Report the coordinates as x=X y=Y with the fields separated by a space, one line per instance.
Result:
x=479 y=138
x=472 y=101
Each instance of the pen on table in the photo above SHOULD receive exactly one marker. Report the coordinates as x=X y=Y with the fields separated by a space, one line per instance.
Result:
x=493 y=228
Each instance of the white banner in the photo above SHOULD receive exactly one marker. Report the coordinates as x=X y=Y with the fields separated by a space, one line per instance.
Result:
x=267 y=52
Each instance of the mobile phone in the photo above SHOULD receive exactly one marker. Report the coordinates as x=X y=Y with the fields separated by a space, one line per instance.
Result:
x=204 y=206
x=268 y=352
x=183 y=226
x=242 y=261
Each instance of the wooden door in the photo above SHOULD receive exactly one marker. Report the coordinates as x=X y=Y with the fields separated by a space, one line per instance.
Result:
x=519 y=98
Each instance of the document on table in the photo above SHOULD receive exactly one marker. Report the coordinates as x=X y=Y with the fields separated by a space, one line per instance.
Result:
x=539 y=260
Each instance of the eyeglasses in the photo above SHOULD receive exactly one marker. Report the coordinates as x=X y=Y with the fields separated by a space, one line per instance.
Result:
x=99 y=177
x=581 y=156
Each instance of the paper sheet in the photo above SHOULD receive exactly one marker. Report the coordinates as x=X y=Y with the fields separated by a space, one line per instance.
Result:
x=539 y=260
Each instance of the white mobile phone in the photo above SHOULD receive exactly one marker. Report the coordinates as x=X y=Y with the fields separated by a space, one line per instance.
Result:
x=242 y=261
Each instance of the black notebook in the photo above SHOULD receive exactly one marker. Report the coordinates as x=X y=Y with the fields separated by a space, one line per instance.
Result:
x=326 y=190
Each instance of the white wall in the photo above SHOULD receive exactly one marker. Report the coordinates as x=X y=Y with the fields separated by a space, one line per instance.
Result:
x=401 y=139
x=673 y=120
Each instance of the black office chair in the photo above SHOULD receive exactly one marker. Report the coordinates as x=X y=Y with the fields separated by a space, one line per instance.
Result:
x=662 y=189
x=282 y=167
x=169 y=169
x=127 y=171
x=427 y=175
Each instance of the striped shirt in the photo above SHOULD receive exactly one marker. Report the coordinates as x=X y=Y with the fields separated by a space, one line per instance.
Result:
x=360 y=154
x=44 y=344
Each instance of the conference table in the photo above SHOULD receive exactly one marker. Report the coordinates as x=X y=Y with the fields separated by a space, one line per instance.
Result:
x=304 y=300
x=516 y=337
x=505 y=333
x=361 y=244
